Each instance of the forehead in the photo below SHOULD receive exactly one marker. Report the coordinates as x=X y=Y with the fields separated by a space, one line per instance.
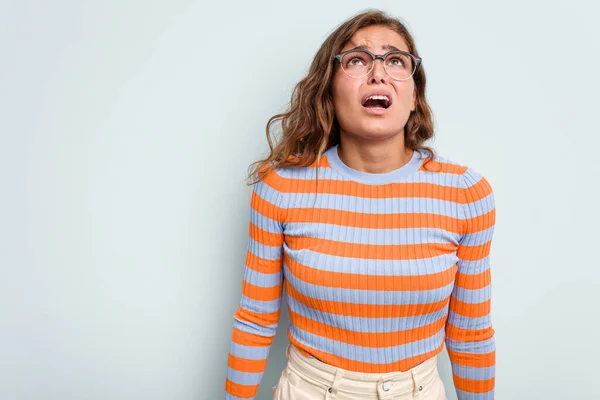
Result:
x=376 y=38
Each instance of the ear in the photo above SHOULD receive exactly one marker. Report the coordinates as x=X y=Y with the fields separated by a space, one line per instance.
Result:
x=414 y=101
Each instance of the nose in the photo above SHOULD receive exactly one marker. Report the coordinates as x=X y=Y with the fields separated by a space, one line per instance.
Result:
x=378 y=71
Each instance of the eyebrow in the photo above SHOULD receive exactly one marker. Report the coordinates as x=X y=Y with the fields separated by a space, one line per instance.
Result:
x=384 y=47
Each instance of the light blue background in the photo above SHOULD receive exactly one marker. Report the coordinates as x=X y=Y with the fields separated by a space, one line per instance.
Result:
x=127 y=128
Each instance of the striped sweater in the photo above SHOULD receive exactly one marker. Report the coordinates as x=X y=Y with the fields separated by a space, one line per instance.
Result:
x=380 y=271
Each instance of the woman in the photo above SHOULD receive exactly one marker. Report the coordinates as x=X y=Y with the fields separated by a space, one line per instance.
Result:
x=383 y=246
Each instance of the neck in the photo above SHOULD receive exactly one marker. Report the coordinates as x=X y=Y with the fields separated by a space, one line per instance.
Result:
x=376 y=156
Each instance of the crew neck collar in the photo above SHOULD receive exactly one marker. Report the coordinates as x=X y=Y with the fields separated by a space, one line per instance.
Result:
x=374 y=178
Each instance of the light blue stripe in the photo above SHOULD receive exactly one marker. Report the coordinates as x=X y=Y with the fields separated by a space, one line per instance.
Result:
x=265 y=223
x=267 y=193
x=249 y=352
x=388 y=205
x=473 y=296
x=262 y=307
x=382 y=355
x=358 y=296
x=462 y=395
x=378 y=267
x=255 y=329
x=477 y=238
x=230 y=397
x=379 y=236
x=310 y=174
x=405 y=171
x=473 y=372
x=473 y=267
x=263 y=251
x=479 y=207
x=262 y=280
x=479 y=347
x=244 y=378
x=460 y=321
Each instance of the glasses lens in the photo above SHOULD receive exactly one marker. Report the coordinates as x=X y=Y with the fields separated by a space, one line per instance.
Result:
x=359 y=63
x=399 y=65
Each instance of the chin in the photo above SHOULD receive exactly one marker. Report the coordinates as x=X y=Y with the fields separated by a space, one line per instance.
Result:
x=375 y=133
x=380 y=128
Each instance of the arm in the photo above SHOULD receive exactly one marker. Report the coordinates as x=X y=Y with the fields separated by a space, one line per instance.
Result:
x=256 y=319
x=469 y=334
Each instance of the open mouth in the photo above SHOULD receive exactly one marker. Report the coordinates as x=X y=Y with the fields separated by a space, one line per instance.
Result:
x=376 y=103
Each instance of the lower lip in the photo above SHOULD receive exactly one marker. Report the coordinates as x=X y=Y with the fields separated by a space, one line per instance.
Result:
x=376 y=110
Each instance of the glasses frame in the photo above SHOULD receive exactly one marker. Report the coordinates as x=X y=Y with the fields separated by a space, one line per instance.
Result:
x=417 y=61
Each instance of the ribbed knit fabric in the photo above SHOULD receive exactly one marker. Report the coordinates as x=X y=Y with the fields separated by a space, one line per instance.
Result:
x=380 y=270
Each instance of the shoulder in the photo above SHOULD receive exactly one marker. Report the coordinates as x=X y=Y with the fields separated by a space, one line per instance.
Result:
x=272 y=180
x=439 y=163
x=471 y=182
x=469 y=176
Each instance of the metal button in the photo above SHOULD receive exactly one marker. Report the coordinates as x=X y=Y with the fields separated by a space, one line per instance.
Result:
x=386 y=385
x=330 y=390
x=420 y=388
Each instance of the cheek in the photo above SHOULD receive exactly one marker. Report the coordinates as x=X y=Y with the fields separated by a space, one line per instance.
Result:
x=345 y=92
x=405 y=94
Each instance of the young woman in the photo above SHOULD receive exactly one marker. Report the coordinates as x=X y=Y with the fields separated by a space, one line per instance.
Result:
x=382 y=246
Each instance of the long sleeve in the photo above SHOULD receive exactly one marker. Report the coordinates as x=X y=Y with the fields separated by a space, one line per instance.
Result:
x=256 y=319
x=469 y=334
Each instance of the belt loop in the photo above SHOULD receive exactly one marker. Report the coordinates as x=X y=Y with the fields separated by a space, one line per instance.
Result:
x=417 y=383
x=332 y=391
x=380 y=389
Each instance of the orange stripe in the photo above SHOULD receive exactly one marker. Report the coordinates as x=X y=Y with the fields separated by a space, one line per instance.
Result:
x=248 y=339
x=468 y=335
x=472 y=385
x=375 y=221
x=262 y=265
x=264 y=319
x=478 y=191
x=246 y=365
x=366 y=339
x=396 y=189
x=365 y=310
x=473 y=360
x=265 y=208
x=265 y=237
x=242 y=391
x=274 y=180
x=474 y=253
x=482 y=222
x=369 y=282
x=443 y=167
x=261 y=293
x=474 y=281
x=345 y=363
x=471 y=310
x=297 y=185
x=306 y=353
x=293 y=161
x=324 y=163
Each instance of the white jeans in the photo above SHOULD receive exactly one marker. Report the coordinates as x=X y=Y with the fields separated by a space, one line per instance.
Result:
x=307 y=378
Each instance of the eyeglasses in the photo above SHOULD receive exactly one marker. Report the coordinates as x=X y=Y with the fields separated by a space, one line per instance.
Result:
x=398 y=64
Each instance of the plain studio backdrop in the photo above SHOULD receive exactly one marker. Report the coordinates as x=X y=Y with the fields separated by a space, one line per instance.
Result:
x=127 y=128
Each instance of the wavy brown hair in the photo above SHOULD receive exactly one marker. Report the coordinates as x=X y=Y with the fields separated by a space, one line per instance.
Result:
x=310 y=126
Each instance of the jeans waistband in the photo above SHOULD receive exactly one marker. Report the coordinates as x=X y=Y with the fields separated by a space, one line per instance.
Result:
x=334 y=378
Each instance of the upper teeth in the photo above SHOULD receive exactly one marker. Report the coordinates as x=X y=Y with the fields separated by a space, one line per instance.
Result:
x=378 y=97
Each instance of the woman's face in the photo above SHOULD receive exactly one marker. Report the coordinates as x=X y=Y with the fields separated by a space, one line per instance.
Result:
x=348 y=92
